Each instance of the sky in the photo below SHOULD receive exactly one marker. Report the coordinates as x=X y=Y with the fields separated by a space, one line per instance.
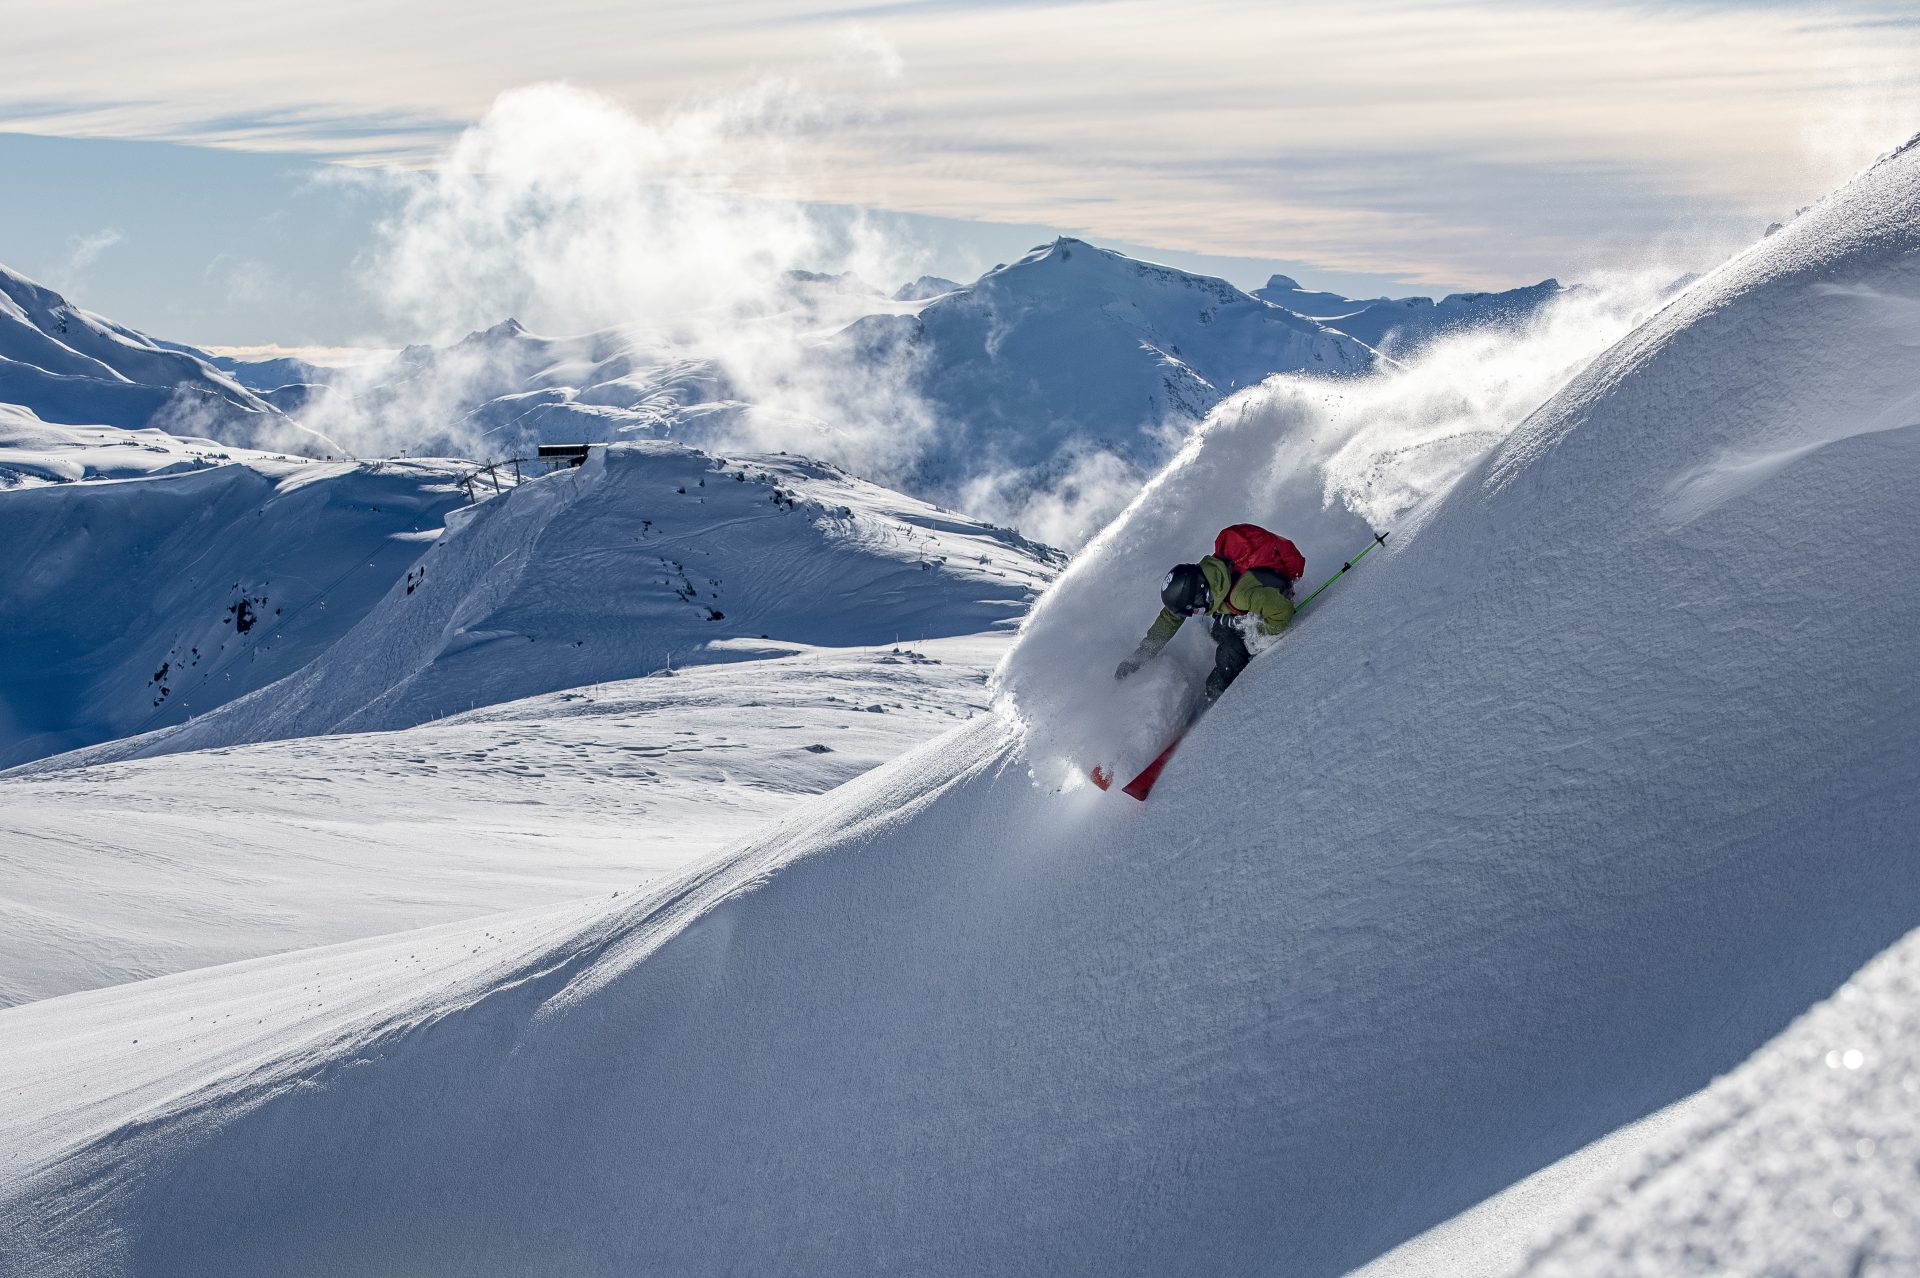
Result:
x=1417 y=145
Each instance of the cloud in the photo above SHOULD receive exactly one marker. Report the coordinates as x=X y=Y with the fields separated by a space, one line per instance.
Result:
x=1444 y=141
x=82 y=252
x=1086 y=491
x=570 y=213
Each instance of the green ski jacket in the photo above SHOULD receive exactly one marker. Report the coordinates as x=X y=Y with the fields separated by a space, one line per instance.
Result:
x=1271 y=607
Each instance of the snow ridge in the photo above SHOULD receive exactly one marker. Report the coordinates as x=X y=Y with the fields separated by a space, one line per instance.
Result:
x=649 y=556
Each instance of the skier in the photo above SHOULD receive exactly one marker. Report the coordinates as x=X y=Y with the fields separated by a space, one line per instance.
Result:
x=1246 y=582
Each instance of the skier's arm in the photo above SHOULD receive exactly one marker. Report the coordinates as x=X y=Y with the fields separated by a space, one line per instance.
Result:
x=1165 y=626
x=1269 y=604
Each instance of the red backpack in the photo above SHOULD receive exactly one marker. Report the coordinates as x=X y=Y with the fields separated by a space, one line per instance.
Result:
x=1245 y=547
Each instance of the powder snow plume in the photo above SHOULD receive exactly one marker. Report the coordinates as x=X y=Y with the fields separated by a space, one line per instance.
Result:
x=1325 y=462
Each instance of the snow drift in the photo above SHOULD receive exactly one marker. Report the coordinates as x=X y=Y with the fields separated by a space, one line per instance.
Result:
x=1802 y=1161
x=1572 y=801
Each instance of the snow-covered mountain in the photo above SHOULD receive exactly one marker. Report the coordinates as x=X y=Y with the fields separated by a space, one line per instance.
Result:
x=1076 y=346
x=1286 y=292
x=925 y=289
x=647 y=557
x=1071 y=349
x=1565 y=803
x=69 y=366
x=270 y=373
x=500 y=391
x=1401 y=326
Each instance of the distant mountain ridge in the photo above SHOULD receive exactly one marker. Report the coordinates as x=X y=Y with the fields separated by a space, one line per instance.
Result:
x=1070 y=348
x=978 y=396
x=1401 y=326
x=1075 y=345
x=69 y=366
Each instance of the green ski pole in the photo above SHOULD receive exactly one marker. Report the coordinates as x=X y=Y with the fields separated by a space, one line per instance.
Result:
x=1379 y=539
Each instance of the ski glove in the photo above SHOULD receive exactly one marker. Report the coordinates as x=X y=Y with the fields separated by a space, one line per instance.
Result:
x=1127 y=667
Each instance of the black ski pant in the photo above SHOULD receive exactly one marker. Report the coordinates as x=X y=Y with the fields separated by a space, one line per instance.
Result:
x=1230 y=656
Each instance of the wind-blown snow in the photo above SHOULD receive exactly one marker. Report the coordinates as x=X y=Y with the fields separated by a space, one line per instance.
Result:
x=1324 y=463
x=1576 y=797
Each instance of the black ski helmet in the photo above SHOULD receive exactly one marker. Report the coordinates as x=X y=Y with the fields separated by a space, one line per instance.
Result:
x=1185 y=591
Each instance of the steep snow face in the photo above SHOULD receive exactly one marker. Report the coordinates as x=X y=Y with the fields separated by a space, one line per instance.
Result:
x=1325 y=462
x=1803 y=1161
x=72 y=367
x=129 y=605
x=644 y=558
x=1570 y=801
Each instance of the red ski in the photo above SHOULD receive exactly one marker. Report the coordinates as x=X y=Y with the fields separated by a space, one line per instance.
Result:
x=1141 y=786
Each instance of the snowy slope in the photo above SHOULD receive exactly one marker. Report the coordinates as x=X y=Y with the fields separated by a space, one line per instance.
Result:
x=33 y=452
x=1563 y=806
x=646 y=557
x=69 y=366
x=131 y=870
x=1804 y=1161
x=128 y=604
